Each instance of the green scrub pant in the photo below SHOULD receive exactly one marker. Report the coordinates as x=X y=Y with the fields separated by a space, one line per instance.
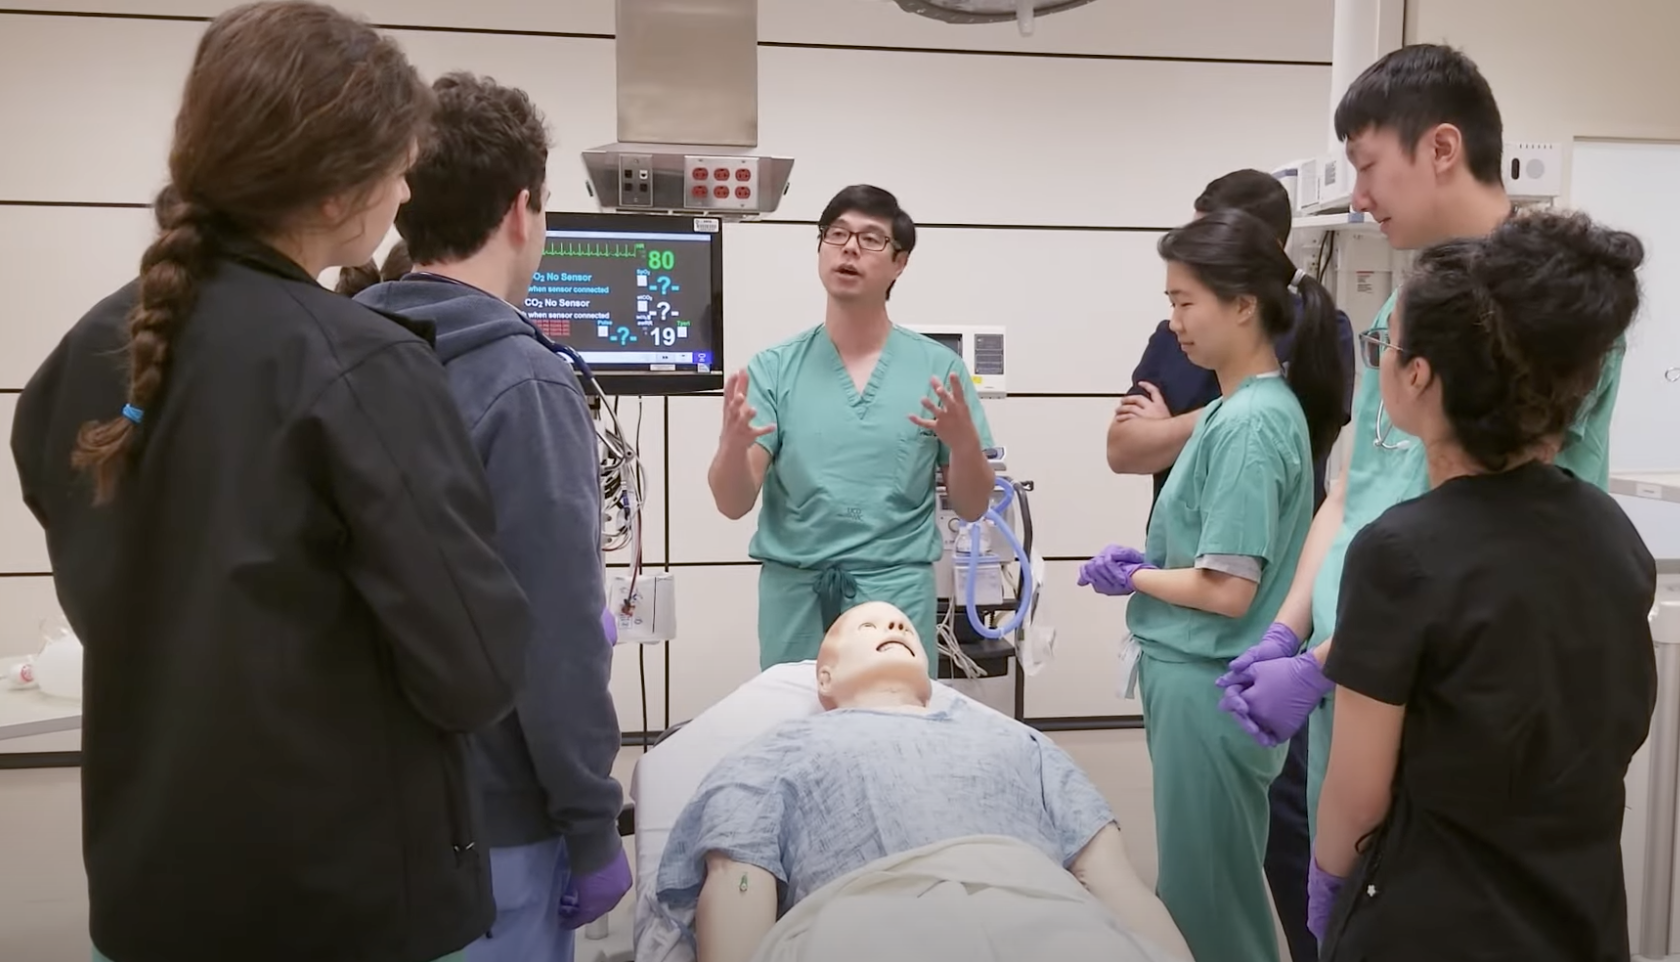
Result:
x=797 y=605
x=1211 y=813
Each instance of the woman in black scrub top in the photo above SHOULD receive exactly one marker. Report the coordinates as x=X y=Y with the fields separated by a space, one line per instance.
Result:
x=1493 y=657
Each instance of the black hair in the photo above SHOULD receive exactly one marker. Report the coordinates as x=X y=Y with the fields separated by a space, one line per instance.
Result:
x=1517 y=326
x=1254 y=191
x=871 y=201
x=354 y=280
x=1234 y=254
x=1417 y=88
x=488 y=143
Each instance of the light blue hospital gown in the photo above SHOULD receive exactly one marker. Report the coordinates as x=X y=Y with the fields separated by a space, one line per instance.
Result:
x=819 y=797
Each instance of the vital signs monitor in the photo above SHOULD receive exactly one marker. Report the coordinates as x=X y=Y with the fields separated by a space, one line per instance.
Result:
x=638 y=296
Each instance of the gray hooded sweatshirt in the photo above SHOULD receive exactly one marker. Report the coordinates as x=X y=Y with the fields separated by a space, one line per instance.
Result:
x=545 y=769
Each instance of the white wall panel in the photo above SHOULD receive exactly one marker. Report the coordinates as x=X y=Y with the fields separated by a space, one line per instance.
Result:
x=55 y=264
x=716 y=649
x=698 y=532
x=103 y=134
x=1079 y=305
x=1278 y=29
x=1085 y=164
x=26 y=605
x=639 y=668
x=1084 y=678
x=1017 y=140
x=1078 y=504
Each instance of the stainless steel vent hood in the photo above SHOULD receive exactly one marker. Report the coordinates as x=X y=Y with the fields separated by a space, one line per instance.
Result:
x=989 y=11
x=687 y=114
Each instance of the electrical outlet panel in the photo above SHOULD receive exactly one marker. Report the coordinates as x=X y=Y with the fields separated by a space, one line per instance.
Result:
x=647 y=615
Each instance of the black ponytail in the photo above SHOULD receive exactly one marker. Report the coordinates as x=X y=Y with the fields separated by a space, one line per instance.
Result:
x=1235 y=254
x=1317 y=370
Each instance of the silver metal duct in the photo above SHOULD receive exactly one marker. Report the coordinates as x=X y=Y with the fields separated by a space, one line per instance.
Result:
x=687 y=113
x=989 y=11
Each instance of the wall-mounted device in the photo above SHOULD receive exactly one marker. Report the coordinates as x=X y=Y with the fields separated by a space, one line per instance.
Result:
x=1533 y=171
x=647 y=613
x=645 y=177
x=1334 y=184
x=639 y=297
x=980 y=347
x=687 y=114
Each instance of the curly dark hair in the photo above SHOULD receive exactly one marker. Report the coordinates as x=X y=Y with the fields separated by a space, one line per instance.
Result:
x=488 y=143
x=1518 y=325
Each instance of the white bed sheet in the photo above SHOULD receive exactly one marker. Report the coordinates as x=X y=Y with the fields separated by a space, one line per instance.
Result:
x=670 y=773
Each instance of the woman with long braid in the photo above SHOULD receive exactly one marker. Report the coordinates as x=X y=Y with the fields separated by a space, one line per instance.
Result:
x=272 y=534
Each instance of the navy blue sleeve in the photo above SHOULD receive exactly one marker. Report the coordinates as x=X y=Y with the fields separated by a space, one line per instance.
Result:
x=543 y=462
x=1344 y=339
x=1151 y=366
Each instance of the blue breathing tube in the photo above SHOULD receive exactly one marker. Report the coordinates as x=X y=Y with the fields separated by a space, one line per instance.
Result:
x=1024 y=603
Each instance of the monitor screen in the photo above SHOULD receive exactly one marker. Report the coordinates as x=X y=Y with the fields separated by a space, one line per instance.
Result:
x=638 y=296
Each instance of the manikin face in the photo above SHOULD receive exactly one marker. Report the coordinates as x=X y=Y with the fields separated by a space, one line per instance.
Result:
x=1403 y=192
x=871 y=648
x=849 y=269
x=1209 y=330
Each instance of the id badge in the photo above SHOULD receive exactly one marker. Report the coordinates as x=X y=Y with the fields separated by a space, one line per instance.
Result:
x=1130 y=655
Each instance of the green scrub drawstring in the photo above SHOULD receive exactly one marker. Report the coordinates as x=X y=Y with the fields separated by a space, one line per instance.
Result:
x=835 y=589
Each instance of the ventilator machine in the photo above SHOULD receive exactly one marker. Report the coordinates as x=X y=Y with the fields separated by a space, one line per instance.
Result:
x=988 y=581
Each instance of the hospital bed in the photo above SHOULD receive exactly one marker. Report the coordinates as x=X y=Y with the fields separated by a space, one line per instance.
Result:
x=671 y=772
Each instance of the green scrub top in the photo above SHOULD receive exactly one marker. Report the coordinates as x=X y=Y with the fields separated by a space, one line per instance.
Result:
x=1382 y=474
x=848 y=502
x=1242 y=486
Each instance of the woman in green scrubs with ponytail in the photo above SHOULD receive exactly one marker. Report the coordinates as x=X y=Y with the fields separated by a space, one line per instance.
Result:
x=1219 y=556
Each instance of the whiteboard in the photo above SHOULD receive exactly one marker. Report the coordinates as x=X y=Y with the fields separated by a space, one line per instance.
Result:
x=1636 y=187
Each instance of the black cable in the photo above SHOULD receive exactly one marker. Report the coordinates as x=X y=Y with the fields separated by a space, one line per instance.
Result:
x=641 y=664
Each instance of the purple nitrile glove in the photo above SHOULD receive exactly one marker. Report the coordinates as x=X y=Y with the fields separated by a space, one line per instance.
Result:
x=1277 y=696
x=609 y=624
x=1279 y=641
x=1110 y=571
x=1322 y=889
x=591 y=896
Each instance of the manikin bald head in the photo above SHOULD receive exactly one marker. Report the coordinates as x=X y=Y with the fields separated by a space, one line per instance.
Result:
x=873 y=656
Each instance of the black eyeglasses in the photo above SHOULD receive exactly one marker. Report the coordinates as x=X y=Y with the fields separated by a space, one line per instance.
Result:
x=868 y=240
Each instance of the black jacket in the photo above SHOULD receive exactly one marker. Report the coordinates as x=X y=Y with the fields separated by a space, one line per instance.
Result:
x=291 y=612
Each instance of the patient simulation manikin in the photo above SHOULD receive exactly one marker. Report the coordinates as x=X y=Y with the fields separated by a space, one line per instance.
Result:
x=879 y=774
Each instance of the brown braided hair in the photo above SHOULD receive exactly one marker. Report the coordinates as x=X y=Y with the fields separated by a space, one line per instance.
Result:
x=288 y=105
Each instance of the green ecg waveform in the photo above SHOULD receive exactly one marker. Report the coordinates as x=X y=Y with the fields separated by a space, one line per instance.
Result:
x=593 y=249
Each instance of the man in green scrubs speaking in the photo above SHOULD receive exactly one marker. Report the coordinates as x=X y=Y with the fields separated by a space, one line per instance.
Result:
x=847 y=428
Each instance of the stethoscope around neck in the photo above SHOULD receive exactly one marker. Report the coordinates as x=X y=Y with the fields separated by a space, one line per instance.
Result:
x=1381 y=439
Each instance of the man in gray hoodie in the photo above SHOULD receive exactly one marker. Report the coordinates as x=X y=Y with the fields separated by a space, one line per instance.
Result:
x=474 y=227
